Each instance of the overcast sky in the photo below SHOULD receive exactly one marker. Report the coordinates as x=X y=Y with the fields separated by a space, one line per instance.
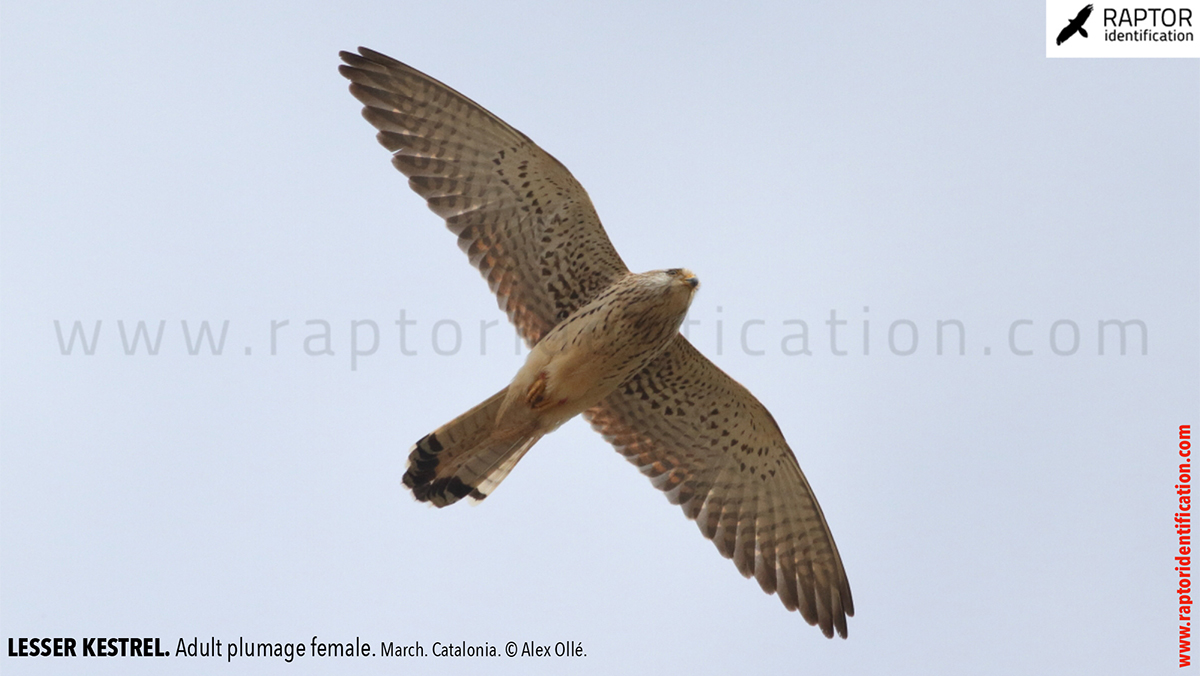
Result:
x=895 y=166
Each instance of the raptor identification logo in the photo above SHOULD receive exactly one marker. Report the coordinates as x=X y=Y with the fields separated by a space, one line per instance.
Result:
x=1138 y=29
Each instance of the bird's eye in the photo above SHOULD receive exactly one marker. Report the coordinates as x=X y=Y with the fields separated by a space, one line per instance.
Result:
x=674 y=272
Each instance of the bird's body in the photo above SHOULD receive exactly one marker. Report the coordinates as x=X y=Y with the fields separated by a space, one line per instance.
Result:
x=605 y=343
x=600 y=345
x=578 y=363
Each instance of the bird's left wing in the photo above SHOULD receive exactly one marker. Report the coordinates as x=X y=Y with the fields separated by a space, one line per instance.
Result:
x=520 y=216
x=715 y=450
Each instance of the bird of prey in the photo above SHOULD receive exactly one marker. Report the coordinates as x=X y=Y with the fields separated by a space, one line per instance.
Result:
x=1076 y=25
x=605 y=343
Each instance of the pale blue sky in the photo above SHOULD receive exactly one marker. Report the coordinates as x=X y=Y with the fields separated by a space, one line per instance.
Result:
x=996 y=513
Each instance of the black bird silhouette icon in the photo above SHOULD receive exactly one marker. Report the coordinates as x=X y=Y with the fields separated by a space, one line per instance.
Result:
x=1076 y=25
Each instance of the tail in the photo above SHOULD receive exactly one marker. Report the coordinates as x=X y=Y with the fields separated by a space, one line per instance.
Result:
x=466 y=457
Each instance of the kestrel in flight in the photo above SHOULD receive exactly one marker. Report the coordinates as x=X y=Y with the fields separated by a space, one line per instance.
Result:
x=605 y=343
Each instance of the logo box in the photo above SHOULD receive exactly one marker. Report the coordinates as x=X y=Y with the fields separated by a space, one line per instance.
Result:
x=1107 y=30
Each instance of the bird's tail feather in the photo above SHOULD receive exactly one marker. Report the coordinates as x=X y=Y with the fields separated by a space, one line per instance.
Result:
x=466 y=457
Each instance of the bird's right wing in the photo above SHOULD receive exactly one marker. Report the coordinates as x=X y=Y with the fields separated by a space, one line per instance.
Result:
x=715 y=450
x=520 y=216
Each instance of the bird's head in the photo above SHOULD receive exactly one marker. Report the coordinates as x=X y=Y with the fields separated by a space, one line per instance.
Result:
x=683 y=276
x=677 y=286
